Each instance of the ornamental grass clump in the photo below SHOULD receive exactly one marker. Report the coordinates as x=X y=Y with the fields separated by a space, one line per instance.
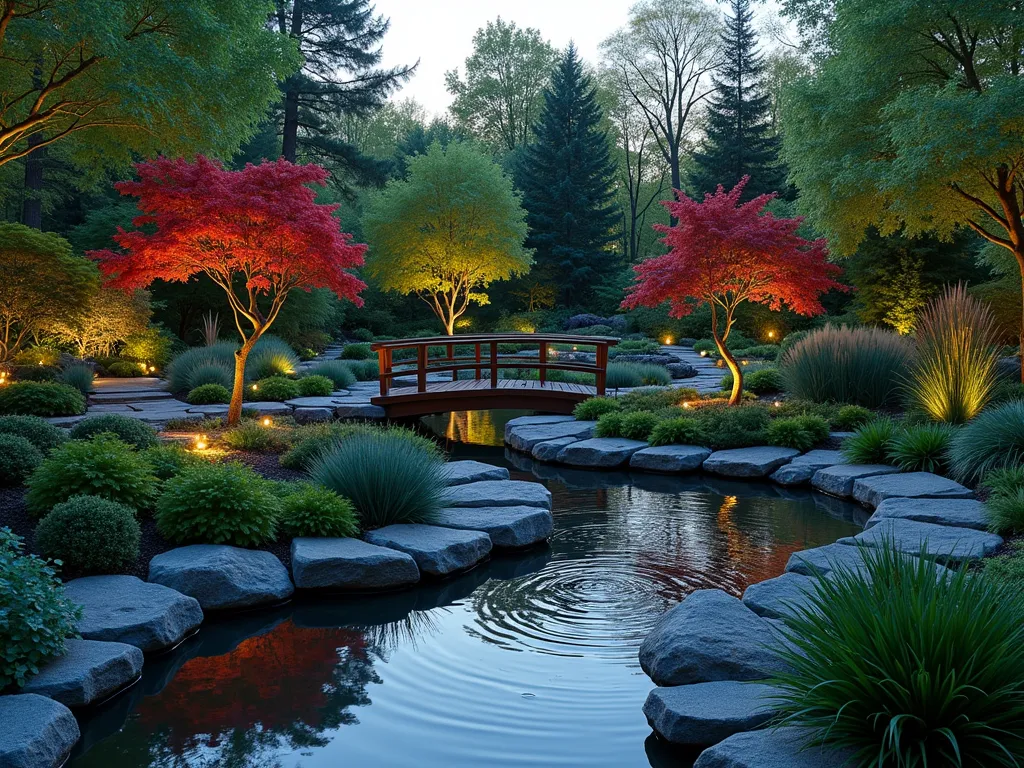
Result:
x=954 y=372
x=80 y=376
x=131 y=431
x=921 y=448
x=311 y=440
x=388 y=478
x=870 y=443
x=905 y=667
x=90 y=535
x=339 y=373
x=993 y=440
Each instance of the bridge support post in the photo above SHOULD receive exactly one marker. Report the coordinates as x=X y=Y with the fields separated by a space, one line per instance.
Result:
x=543 y=372
x=602 y=368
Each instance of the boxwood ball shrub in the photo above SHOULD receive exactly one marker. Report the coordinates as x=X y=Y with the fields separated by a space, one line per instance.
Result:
x=41 y=433
x=595 y=407
x=18 y=459
x=680 y=431
x=357 y=352
x=209 y=394
x=906 y=668
x=132 y=431
x=275 y=388
x=766 y=381
x=32 y=398
x=993 y=440
x=849 y=417
x=90 y=535
x=309 y=510
x=315 y=386
x=80 y=376
x=218 y=504
x=102 y=466
x=870 y=443
x=35 y=615
x=921 y=448
x=339 y=373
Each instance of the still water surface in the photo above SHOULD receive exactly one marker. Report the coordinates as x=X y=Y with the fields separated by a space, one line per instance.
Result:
x=529 y=660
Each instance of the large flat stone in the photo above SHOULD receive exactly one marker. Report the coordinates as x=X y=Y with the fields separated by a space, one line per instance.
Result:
x=872 y=491
x=498 y=493
x=707 y=713
x=602 y=452
x=549 y=450
x=125 y=609
x=462 y=472
x=88 y=672
x=222 y=577
x=263 y=408
x=508 y=527
x=359 y=411
x=759 y=461
x=709 y=636
x=669 y=458
x=350 y=565
x=779 y=597
x=437 y=551
x=941 y=542
x=35 y=731
x=801 y=469
x=533 y=421
x=524 y=437
x=312 y=415
x=839 y=480
x=773 y=748
x=958 y=513
x=821 y=561
x=330 y=402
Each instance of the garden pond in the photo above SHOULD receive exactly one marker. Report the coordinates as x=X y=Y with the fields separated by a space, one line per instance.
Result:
x=527 y=660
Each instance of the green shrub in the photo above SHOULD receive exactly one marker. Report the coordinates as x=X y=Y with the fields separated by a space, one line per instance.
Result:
x=357 y=352
x=209 y=394
x=766 y=381
x=168 y=460
x=733 y=426
x=388 y=478
x=31 y=398
x=35 y=373
x=849 y=417
x=79 y=376
x=921 y=448
x=790 y=340
x=681 y=431
x=906 y=668
x=1006 y=480
x=152 y=346
x=817 y=426
x=309 y=510
x=610 y=424
x=122 y=369
x=35 y=615
x=271 y=356
x=18 y=459
x=590 y=410
x=656 y=400
x=339 y=373
x=218 y=504
x=364 y=370
x=635 y=347
x=862 y=366
x=90 y=535
x=1006 y=511
x=361 y=334
x=275 y=388
x=38 y=355
x=870 y=443
x=127 y=429
x=994 y=440
x=760 y=351
x=314 y=439
x=41 y=433
x=253 y=436
x=315 y=386
x=102 y=466
x=638 y=425
x=790 y=433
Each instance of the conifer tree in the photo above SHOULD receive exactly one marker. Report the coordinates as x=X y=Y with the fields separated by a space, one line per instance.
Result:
x=567 y=177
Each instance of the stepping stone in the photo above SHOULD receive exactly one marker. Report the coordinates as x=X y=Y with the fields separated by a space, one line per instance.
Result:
x=347 y=564
x=841 y=435
x=88 y=672
x=329 y=401
x=760 y=461
x=839 y=480
x=669 y=458
x=958 y=513
x=549 y=450
x=523 y=438
x=498 y=493
x=437 y=551
x=35 y=732
x=777 y=598
x=360 y=411
x=126 y=609
x=533 y=421
x=709 y=636
x=773 y=748
x=65 y=421
x=801 y=469
x=707 y=713
x=605 y=452
x=911 y=485
x=508 y=527
x=941 y=542
x=107 y=396
x=462 y=472
x=221 y=577
x=263 y=408
x=821 y=561
x=312 y=415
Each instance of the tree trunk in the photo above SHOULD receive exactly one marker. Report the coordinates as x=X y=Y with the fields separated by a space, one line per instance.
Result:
x=32 y=204
x=734 y=369
x=238 y=391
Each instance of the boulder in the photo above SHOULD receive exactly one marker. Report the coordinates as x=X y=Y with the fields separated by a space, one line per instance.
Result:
x=548 y=451
x=88 y=672
x=669 y=458
x=603 y=452
x=508 y=527
x=839 y=480
x=941 y=542
x=329 y=402
x=777 y=598
x=872 y=491
x=498 y=493
x=350 y=565
x=681 y=370
x=359 y=411
x=523 y=438
x=801 y=469
x=221 y=577
x=773 y=748
x=533 y=421
x=437 y=551
x=125 y=609
x=706 y=713
x=709 y=636
x=35 y=731
x=646 y=359
x=462 y=472
x=312 y=415
x=958 y=513
x=760 y=461
x=821 y=561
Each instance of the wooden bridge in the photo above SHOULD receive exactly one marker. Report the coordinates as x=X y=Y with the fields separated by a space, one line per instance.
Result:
x=464 y=373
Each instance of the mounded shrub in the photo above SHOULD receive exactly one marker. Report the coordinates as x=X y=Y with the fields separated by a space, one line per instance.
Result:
x=209 y=394
x=169 y=459
x=31 y=398
x=870 y=443
x=127 y=429
x=635 y=347
x=35 y=615
x=218 y=504
x=313 y=439
x=122 y=369
x=80 y=376
x=339 y=373
x=921 y=448
x=638 y=425
x=849 y=417
x=790 y=433
x=622 y=375
x=18 y=459
x=595 y=407
x=309 y=510
x=361 y=334
x=994 y=440
x=35 y=373
x=656 y=400
x=90 y=535
x=766 y=381
x=215 y=364
x=817 y=426
x=733 y=426
x=759 y=351
x=315 y=386
x=41 y=433
x=610 y=424
x=275 y=389
x=680 y=431
x=253 y=436
x=357 y=352
x=364 y=370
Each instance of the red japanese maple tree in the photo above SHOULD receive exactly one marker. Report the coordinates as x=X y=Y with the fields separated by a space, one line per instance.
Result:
x=724 y=253
x=258 y=233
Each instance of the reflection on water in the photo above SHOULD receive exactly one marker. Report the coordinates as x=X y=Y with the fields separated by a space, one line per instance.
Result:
x=528 y=660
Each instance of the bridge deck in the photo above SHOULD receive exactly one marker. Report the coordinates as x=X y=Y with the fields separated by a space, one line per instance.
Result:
x=478 y=394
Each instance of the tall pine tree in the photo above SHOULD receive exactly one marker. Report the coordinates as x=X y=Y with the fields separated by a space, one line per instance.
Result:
x=567 y=176
x=739 y=140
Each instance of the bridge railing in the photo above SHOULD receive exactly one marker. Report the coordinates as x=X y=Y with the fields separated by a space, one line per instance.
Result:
x=481 y=354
